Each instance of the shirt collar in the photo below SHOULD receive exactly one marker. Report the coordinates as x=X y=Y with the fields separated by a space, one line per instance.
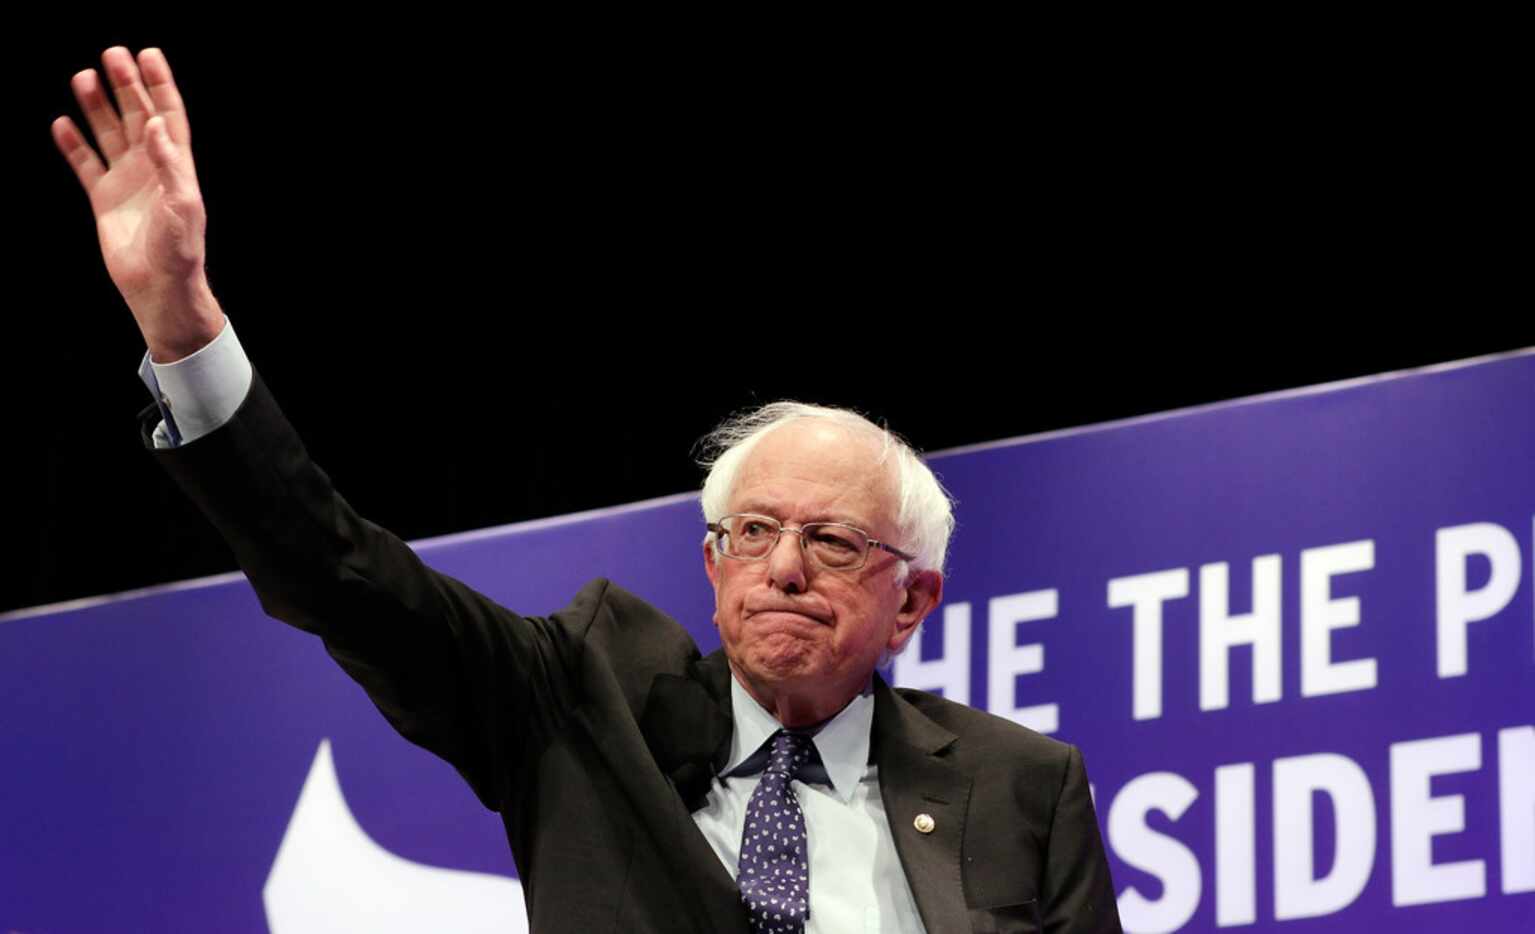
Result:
x=842 y=741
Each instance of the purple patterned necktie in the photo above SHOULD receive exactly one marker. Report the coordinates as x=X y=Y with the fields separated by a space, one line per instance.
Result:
x=774 y=873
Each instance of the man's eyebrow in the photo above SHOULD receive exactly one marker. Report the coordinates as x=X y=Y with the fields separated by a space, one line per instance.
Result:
x=761 y=508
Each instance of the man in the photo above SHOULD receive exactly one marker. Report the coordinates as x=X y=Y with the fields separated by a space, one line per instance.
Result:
x=779 y=785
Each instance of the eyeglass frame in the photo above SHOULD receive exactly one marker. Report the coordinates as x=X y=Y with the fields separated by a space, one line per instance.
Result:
x=717 y=529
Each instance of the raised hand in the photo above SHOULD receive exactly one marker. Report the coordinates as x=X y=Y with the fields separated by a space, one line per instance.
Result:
x=149 y=210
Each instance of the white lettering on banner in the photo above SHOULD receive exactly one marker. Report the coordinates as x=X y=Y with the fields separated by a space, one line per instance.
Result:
x=1261 y=629
x=1321 y=613
x=1456 y=606
x=1236 y=875
x=1298 y=893
x=1219 y=631
x=1156 y=854
x=1008 y=659
x=950 y=672
x=1146 y=593
x=1417 y=817
x=1297 y=780
x=1516 y=807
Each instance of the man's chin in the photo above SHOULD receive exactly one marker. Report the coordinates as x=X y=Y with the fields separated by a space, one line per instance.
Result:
x=782 y=659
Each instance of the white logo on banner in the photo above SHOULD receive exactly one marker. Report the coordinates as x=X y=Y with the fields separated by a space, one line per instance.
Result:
x=330 y=876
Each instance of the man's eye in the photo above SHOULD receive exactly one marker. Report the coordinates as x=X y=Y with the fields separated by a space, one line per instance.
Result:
x=754 y=529
x=837 y=541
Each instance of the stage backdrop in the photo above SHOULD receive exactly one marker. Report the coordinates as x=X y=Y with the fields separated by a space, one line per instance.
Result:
x=1294 y=636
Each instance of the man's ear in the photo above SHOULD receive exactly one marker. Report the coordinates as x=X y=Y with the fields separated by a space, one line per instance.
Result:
x=711 y=564
x=712 y=569
x=922 y=591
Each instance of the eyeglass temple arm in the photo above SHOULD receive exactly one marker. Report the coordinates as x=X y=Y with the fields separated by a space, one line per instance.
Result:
x=893 y=550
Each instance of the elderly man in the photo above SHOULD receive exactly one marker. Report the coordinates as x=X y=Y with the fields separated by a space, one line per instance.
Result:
x=780 y=785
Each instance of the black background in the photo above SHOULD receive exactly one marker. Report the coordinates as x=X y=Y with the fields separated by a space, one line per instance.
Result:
x=501 y=270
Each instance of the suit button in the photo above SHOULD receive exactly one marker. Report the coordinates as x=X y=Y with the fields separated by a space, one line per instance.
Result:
x=924 y=823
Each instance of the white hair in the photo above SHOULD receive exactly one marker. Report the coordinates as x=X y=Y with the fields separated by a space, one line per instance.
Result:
x=924 y=510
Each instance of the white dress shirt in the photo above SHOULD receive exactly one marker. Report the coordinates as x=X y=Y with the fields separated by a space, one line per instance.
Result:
x=856 y=881
x=199 y=392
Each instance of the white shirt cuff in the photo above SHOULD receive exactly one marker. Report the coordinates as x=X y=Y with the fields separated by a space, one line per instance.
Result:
x=199 y=392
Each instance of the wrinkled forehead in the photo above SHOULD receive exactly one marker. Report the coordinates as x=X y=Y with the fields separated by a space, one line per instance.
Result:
x=814 y=462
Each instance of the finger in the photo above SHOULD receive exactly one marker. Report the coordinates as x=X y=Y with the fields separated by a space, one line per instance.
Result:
x=162 y=91
x=77 y=152
x=172 y=162
x=132 y=100
x=103 y=121
x=163 y=153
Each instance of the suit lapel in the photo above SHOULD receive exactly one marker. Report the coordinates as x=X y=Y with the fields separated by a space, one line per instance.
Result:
x=687 y=725
x=683 y=729
x=914 y=780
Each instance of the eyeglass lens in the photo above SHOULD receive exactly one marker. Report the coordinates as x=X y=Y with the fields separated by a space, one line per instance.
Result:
x=833 y=546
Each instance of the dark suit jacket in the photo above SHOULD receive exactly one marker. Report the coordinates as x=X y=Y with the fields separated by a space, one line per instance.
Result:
x=595 y=732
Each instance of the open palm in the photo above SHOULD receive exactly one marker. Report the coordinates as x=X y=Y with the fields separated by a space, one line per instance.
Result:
x=149 y=210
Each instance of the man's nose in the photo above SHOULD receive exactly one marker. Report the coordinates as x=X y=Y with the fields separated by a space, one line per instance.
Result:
x=786 y=565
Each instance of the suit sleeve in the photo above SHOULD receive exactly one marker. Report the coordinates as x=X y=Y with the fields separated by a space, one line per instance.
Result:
x=1079 y=894
x=453 y=671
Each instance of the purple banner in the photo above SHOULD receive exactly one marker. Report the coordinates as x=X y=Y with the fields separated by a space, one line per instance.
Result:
x=1294 y=635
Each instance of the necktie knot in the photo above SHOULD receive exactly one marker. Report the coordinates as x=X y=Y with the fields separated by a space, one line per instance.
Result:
x=790 y=754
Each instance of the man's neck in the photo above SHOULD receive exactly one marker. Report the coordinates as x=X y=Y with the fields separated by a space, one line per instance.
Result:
x=798 y=710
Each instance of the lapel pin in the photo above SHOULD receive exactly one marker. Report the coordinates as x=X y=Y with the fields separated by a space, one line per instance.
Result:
x=924 y=823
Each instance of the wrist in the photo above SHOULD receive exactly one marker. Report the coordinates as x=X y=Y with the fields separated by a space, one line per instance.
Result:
x=178 y=321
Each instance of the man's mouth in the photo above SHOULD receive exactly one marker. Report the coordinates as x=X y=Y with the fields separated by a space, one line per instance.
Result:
x=777 y=614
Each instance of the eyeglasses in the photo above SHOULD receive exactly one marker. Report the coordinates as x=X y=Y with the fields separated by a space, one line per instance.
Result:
x=829 y=545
